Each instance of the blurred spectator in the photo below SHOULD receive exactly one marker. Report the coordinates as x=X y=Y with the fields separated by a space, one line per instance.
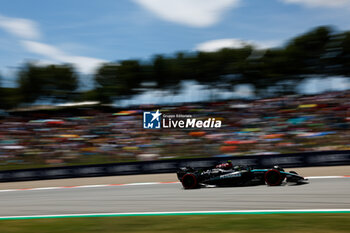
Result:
x=265 y=126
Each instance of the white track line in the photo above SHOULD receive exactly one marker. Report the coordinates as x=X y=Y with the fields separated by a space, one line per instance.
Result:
x=134 y=184
x=86 y=186
x=283 y=211
x=326 y=177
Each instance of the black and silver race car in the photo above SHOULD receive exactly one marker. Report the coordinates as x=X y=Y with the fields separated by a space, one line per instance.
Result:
x=235 y=176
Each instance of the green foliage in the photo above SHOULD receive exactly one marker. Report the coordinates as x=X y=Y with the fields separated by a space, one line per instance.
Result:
x=53 y=82
x=9 y=97
x=306 y=52
x=321 y=51
x=118 y=80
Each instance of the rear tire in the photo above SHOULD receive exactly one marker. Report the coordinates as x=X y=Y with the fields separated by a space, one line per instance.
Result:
x=189 y=181
x=273 y=177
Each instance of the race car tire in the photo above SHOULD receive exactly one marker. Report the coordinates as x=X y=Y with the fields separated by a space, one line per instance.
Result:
x=273 y=177
x=189 y=181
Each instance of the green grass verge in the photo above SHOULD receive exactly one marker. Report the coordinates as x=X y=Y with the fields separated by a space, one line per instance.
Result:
x=320 y=223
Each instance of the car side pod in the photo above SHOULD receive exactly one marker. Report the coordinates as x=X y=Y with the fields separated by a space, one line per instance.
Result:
x=273 y=177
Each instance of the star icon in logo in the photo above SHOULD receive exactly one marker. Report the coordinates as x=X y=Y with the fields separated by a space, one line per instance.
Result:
x=156 y=115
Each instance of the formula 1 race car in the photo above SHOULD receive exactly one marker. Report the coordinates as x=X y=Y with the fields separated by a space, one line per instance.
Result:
x=227 y=175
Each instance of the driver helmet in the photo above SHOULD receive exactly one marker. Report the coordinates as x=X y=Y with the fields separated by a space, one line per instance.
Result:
x=237 y=168
x=277 y=167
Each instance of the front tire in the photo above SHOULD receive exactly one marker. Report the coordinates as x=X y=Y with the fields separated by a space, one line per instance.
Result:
x=273 y=177
x=189 y=181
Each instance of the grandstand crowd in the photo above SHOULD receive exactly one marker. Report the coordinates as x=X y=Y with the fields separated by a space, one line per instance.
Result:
x=249 y=127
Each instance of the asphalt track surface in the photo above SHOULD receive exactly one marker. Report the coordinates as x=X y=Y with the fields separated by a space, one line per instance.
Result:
x=318 y=194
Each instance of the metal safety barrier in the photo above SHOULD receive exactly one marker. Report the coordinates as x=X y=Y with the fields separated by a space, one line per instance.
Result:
x=307 y=159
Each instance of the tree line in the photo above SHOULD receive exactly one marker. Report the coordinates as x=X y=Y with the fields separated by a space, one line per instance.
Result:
x=322 y=51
